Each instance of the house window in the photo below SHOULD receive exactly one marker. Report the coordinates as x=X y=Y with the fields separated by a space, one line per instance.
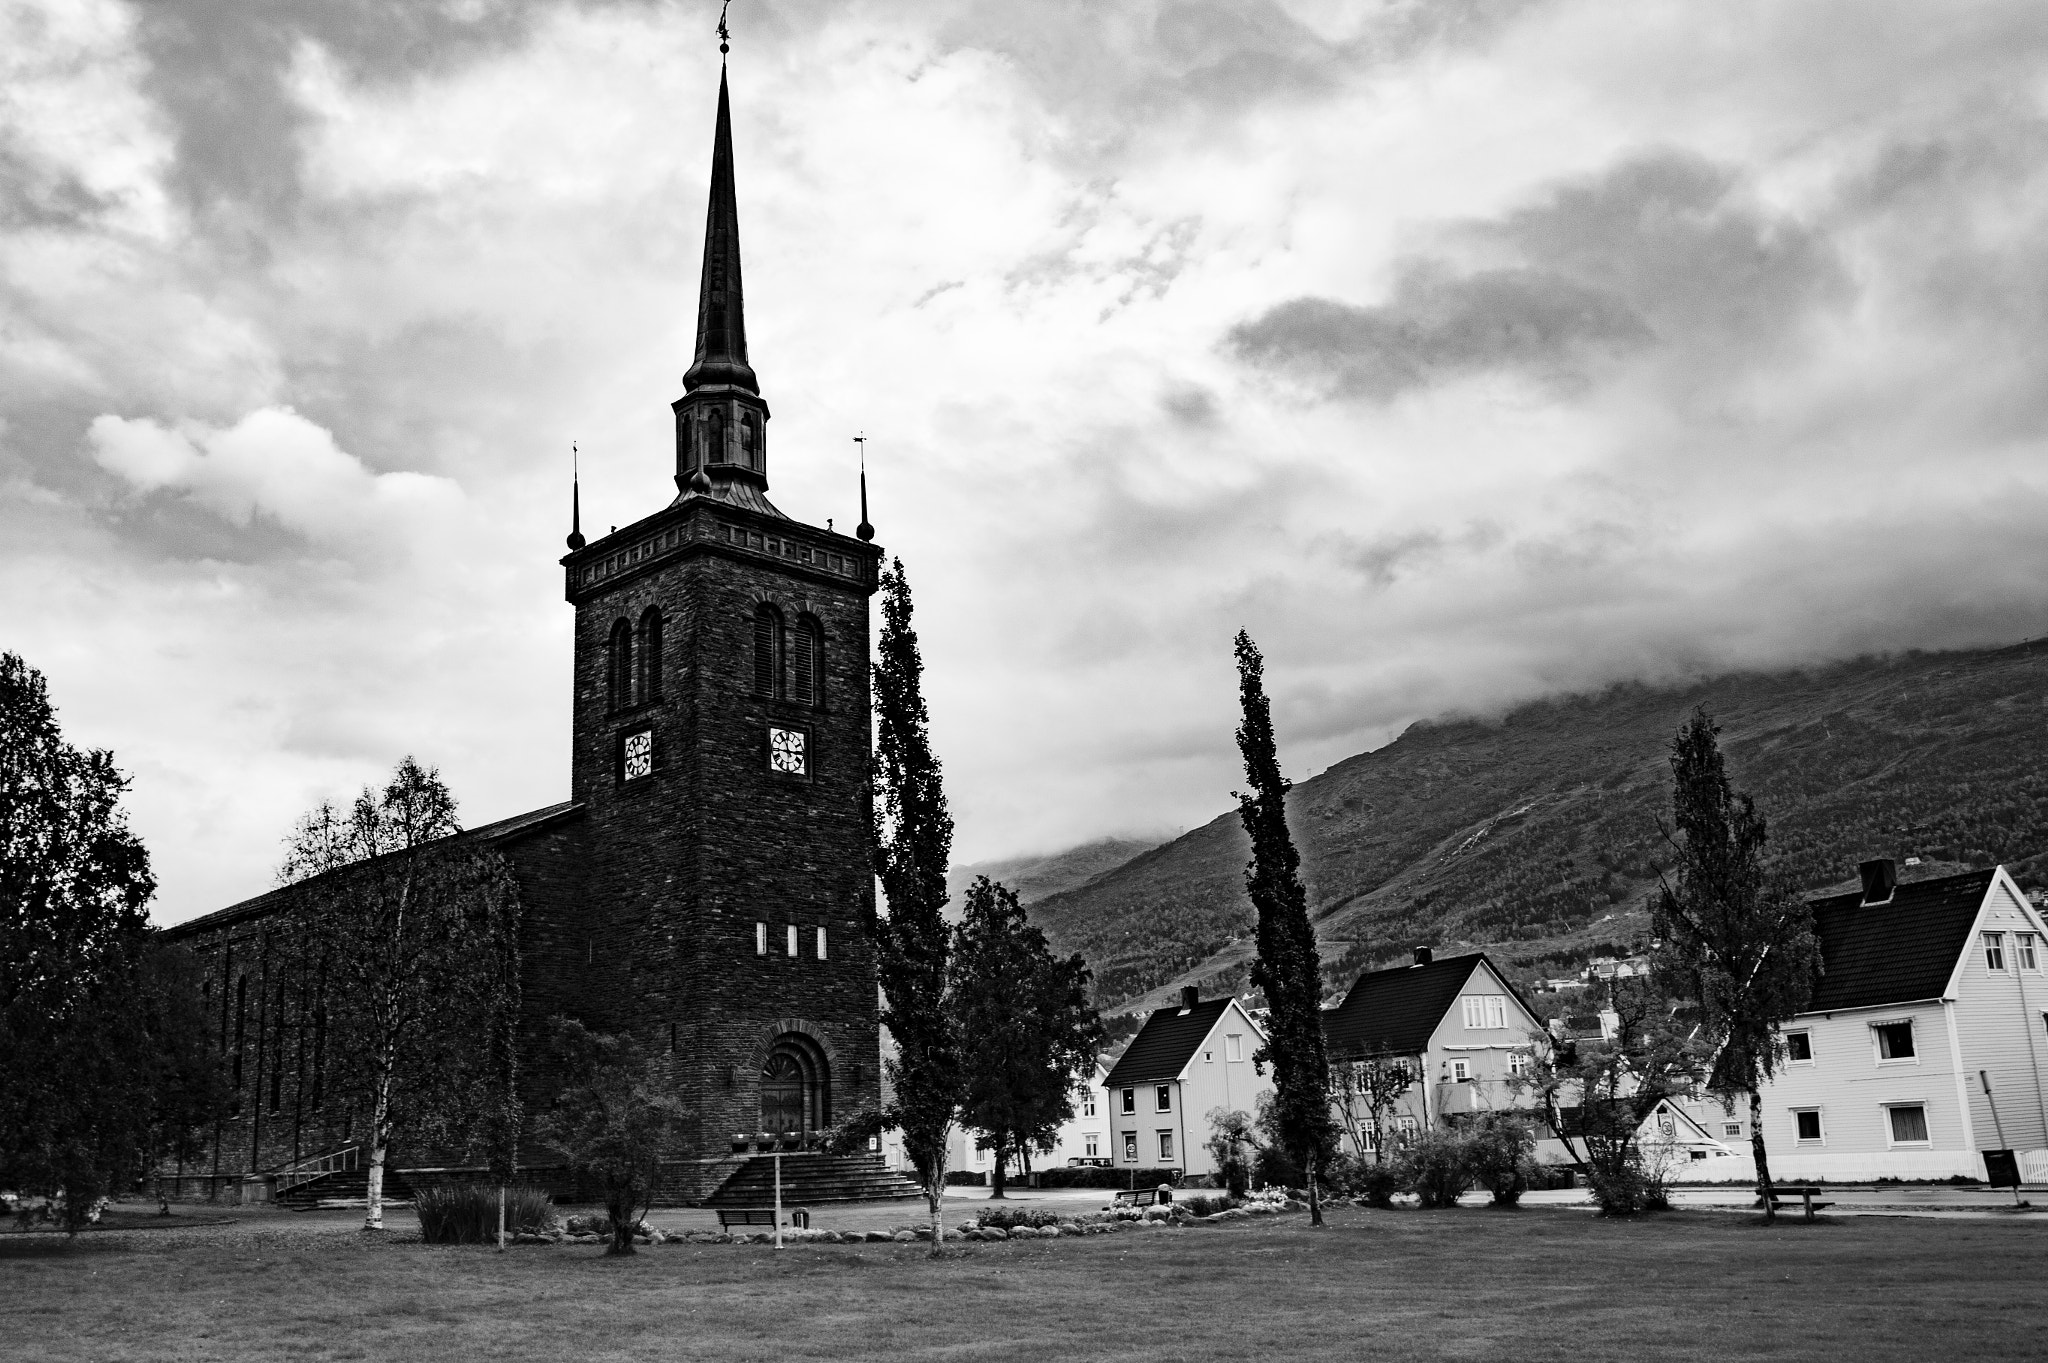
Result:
x=821 y=944
x=1406 y=1124
x=1732 y=1130
x=760 y=939
x=1799 y=1047
x=1130 y=1147
x=1994 y=951
x=792 y=940
x=1233 y=1047
x=1130 y=1101
x=1485 y=1012
x=1518 y=1064
x=1166 y=1147
x=1088 y=1104
x=2023 y=947
x=1894 y=1040
x=1208 y=1057
x=1092 y=1148
x=1806 y=1122
x=1908 y=1124
x=1162 y=1098
x=1461 y=1071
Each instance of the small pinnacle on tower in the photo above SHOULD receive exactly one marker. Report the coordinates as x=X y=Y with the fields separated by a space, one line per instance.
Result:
x=865 y=531
x=576 y=540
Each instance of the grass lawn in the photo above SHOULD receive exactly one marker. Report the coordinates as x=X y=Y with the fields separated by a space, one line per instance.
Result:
x=1523 y=1286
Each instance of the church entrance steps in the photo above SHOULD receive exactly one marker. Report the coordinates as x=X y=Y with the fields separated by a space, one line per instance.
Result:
x=811 y=1179
x=343 y=1187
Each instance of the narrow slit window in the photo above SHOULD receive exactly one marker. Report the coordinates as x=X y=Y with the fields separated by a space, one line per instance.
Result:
x=792 y=940
x=650 y=654
x=821 y=944
x=760 y=939
x=767 y=651
x=803 y=663
x=619 y=682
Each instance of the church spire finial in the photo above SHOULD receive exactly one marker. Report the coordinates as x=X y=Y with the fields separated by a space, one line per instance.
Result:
x=864 y=531
x=721 y=312
x=576 y=540
x=724 y=38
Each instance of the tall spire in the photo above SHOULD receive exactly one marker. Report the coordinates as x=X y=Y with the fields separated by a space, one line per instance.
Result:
x=575 y=502
x=863 y=530
x=721 y=313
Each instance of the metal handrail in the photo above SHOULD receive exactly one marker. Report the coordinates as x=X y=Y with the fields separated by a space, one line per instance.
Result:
x=317 y=1166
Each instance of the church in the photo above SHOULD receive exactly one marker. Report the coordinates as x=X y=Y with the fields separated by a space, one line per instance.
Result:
x=702 y=888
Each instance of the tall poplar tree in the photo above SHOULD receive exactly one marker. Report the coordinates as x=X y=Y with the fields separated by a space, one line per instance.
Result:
x=1288 y=966
x=1733 y=932
x=913 y=841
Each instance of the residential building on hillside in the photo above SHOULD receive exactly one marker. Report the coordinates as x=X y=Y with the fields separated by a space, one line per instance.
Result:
x=1459 y=1027
x=1183 y=1064
x=1925 y=1043
x=1082 y=1139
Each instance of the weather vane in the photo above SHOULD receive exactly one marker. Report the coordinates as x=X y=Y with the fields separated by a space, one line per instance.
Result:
x=724 y=37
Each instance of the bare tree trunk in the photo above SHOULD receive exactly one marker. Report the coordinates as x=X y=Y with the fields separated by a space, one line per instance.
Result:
x=380 y=1136
x=1315 y=1197
x=996 y=1181
x=935 y=1195
x=1764 y=1189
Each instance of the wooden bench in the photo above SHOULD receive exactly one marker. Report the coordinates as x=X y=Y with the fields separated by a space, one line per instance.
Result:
x=1143 y=1197
x=728 y=1217
x=1782 y=1199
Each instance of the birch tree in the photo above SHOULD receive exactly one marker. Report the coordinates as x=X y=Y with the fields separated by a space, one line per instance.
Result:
x=1733 y=933
x=417 y=940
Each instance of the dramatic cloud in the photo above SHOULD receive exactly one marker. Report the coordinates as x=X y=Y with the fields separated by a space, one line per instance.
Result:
x=1464 y=352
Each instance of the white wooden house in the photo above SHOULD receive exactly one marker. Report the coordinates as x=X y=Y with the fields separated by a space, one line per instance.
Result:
x=1183 y=1064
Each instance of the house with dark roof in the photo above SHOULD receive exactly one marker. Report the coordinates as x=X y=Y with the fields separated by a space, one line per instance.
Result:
x=1184 y=1063
x=1460 y=1031
x=1926 y=1041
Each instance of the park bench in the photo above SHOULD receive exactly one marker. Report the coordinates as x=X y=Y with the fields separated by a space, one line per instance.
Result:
x=1783 y=1199
x=728 y=1217
x=1144 y=1197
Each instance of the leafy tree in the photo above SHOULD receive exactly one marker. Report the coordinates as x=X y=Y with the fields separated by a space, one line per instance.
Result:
x=612 y=1118
x=1596 y=1095
x=1374 y=1084
x=1288 y=968
x=103 y=1062
x=1233 y=1145
x=417 y=940
x=913 y=841
x=1027 y=1030
x=1733 y=932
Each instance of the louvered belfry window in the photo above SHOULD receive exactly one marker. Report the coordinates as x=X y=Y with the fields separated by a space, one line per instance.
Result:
x=803 y=665
x=767 y=652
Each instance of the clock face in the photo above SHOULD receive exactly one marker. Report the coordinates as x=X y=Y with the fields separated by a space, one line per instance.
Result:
x=639 y=754
x=786 y=752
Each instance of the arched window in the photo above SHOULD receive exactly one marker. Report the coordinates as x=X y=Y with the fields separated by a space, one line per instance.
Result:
x=714 y=435
x=619 y=681
x=768 y=651
x=805 y=657
x=650 y=654
x=750 y=441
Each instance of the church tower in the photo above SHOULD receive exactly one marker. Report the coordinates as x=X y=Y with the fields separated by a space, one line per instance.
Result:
x=721 y=740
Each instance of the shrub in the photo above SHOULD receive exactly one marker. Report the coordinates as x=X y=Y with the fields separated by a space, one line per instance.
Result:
x=1501 y=1155
x=966 y=1178
x=1276 y=1170
x=1009 y=1218
x=1206 y=1206
x=1627 y=1187
x=1435 y=1167
x=1377 y=1183
x=467 y=1213
x=1230 y=1145
x=1095 y=1176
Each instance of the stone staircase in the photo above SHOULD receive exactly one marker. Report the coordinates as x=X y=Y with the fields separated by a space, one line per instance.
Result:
x=809 y=1179
x=342 y=1188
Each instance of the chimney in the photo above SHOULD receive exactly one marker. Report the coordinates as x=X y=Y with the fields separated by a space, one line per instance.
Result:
x=1880 y=878
x=1190 y=995
x=1423 y=955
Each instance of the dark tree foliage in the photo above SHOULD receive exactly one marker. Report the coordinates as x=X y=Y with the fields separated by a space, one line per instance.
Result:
x=913 y=842
x=1027 y=1030
x=1288 y=968
x=417 y=941
x=103 y=1061
x=1733 y=932
x=611 y=1118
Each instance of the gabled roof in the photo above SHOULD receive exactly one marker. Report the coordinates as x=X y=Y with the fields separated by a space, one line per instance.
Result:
x=1395 y=1011
x=1901 y=951
x=504 y=830
x=1165 y=1044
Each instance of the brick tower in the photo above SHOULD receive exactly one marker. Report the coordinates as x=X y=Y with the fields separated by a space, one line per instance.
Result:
x=721 y=744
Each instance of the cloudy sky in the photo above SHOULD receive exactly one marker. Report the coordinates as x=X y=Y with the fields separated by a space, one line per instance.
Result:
x=1464 y=352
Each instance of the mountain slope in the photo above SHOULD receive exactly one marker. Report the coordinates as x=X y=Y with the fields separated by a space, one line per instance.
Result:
x=1035 y=877
x=1536 y=835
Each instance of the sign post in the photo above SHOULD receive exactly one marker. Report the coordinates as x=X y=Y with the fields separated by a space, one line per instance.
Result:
x=778 y=1199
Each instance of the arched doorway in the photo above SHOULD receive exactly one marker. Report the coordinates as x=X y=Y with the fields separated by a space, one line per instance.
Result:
x=795 y=1087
